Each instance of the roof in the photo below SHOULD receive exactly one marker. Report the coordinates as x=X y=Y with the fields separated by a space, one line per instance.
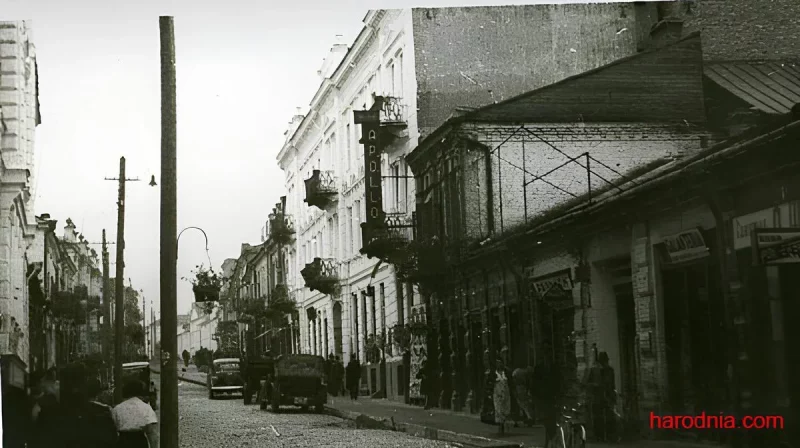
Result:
x=771 y=87
x=225 y=360
x=136 y=364
x=662 y=85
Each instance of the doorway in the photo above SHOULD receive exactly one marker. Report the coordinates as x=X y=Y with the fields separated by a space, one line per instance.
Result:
x=695 y=339
x=338 y=347
x=476 y=361
x=621 y=280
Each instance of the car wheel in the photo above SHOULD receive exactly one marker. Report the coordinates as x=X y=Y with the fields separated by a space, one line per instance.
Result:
x=248 y=397
x=210 y=394
x=319 y=407
x=304 y=408
x=263 y=405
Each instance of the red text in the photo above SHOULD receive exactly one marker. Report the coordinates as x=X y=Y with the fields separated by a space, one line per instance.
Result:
x=715 y=421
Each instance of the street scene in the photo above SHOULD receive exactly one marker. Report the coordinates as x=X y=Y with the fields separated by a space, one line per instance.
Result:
x=549 y=225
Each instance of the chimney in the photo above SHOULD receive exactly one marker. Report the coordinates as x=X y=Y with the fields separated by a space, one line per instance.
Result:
x=69 y=232
x=658 y=23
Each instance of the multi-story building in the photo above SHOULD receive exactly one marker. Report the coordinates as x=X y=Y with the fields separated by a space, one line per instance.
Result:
x=411 y=69
x=19 y=116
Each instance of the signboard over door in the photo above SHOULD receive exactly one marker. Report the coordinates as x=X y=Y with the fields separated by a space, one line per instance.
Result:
x=554 y=289
x=685 y=246
x=776 y=246
x=786 y=214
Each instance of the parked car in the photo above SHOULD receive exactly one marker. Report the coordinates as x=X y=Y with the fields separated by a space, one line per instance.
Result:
x=132 y=371
x=299 y=380
x=224 y=377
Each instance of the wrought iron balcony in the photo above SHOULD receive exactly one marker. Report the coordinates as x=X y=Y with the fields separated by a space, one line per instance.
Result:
x=389 y=241
x=322 y=275
x=281 y=228
x=321 y=189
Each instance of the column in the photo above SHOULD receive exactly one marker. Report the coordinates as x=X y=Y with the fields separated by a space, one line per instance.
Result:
x=455 y=379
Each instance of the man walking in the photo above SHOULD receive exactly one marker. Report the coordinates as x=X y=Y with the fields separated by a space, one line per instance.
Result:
x=521 y=377
x=353 y=373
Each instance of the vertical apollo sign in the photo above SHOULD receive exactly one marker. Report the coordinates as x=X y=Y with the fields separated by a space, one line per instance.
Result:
x=373 y=190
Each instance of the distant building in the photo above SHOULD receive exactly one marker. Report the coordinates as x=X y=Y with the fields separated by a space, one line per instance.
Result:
x=19 y=116
x=410 y=69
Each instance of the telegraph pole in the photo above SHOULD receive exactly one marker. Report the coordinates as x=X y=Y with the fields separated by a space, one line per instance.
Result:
x=119 y=302
x=169 y=239
x=106 y=304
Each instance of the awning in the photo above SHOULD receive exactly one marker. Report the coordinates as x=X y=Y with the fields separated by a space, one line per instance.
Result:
x=771 y=87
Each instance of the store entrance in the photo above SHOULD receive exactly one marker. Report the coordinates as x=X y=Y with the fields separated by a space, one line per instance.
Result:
x=695 y=339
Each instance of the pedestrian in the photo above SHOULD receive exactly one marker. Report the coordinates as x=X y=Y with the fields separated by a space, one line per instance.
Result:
x=353 y=374
x=522 y=381
x=501 y=395
x=328 y=366
x=135 y=420
x=186 y=358
x=425 y=383
x=340 y=374
x=78 y=420
x=545 y=395
x=602 y=397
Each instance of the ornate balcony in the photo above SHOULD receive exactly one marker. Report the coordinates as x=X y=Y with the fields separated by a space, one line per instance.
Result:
x=322 y=275
x=321 y=189
x=389 y=241
x=281 y=227
x=393 y=117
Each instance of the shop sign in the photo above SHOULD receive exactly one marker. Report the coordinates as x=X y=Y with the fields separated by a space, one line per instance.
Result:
x=786 y=214
x=373 y=190
x=776 y=246
x=685 y=246
x=556 y=284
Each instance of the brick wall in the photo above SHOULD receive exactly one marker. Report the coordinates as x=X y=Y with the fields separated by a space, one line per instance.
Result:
x=620 y=147
x=745 y=29
x=473 y=56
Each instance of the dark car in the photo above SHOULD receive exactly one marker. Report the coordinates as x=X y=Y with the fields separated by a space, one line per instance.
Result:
x=299 y=380
x=224 y=377
x=140 y=371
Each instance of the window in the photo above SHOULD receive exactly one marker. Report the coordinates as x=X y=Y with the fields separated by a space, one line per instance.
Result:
x=331 y=250
x=356 y=227
x=349 y=242
x=396 y=186
x=399 y=75
x=401 y=308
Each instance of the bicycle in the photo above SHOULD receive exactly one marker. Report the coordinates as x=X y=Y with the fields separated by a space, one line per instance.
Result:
x=570 y=432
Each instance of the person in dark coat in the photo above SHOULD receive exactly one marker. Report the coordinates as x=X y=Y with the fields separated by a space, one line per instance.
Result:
x=353 y=373
x=425 y=383
x=76 y=421
x=337 y=372
x=545 y=395
x=328 y=365
x=602 y=397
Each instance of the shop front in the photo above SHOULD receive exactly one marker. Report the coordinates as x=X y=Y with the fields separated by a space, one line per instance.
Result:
x=773 y=282
x=14 y=400
x=694 y=313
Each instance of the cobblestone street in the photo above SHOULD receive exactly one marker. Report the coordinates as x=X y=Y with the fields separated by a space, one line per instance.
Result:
x=227 y=422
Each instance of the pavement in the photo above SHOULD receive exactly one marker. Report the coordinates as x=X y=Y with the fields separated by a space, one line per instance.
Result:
x=228 y=423
x=451 y=428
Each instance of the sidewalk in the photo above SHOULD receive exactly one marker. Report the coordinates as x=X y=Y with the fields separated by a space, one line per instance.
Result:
x=465 y=429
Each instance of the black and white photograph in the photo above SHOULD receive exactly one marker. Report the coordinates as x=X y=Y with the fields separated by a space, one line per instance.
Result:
x=429 y=224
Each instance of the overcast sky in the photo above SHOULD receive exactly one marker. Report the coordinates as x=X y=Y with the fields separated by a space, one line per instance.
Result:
x=242 y=69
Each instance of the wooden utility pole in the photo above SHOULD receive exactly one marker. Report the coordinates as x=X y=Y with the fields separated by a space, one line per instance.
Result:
x=106 y=304
x=119 y=290
x=169 y=239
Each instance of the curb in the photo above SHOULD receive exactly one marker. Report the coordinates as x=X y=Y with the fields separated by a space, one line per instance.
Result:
x=182 y=378
x=425 y=432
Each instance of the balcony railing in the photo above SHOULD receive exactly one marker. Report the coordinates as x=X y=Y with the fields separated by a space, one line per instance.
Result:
x=388 y=241
x=281 y=228
x=322 y=275
x=392 y=111
x=321 y=189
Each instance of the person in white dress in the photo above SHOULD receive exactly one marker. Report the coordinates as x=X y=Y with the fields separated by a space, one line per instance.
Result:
x=136 y=421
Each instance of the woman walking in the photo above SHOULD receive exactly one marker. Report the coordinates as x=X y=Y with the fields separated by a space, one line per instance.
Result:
x=353 y=373
x=497 y=401
x=135 y=420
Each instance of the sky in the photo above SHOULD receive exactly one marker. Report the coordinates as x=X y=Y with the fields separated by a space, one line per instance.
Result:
x=242 y=70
